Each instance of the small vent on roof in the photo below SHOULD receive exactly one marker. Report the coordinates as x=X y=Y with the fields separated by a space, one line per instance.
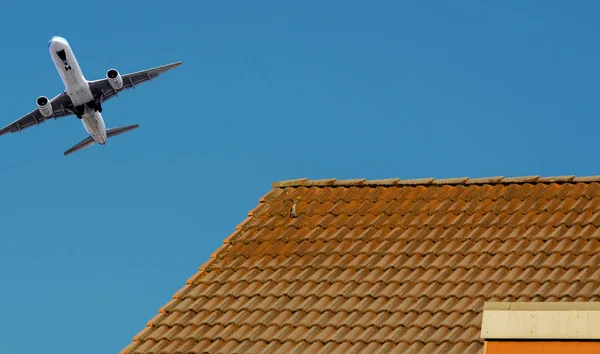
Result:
x=293 y=212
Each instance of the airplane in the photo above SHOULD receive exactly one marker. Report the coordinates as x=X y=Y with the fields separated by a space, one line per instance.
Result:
x=83 y=98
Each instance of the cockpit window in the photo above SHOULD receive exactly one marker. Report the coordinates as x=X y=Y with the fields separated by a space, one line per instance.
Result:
x=62 y=55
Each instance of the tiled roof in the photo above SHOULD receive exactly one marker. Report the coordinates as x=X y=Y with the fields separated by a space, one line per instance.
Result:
x=386 y=266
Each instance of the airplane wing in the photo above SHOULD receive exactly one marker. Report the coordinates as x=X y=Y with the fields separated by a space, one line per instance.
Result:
x=102 y=91
x=61 y=107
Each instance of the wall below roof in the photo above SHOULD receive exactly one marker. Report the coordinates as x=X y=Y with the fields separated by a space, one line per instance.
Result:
x=541 y=321
x=541 y=347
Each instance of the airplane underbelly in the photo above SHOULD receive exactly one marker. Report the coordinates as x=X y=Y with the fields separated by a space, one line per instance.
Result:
x=79 y=93
x=94 y=125
x=76 y=86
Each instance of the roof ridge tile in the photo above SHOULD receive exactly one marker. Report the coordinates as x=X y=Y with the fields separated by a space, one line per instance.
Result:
x=332 y=182
x=457 y=180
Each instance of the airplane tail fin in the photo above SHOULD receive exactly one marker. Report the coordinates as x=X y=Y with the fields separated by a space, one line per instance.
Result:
x=89 y=141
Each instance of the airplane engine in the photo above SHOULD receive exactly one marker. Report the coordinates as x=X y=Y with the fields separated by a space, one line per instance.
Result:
x=114 y=79
x=44 y=106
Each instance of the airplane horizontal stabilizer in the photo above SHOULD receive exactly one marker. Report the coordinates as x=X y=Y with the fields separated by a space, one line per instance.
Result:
x=120 y=130
x=89 y=141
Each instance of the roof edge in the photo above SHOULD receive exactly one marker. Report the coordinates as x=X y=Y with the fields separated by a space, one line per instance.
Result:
x=191 y=281
x=333 y=182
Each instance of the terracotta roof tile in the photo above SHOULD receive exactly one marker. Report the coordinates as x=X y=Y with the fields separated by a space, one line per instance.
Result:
x=384 y=266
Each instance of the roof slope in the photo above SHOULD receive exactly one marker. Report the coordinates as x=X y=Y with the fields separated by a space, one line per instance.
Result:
x=384 y=266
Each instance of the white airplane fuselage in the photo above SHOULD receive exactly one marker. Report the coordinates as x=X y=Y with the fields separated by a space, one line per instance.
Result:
x=77 y=87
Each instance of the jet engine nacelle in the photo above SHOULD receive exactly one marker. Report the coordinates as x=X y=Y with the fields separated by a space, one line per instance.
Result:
x=114 y=79
x=44 y=106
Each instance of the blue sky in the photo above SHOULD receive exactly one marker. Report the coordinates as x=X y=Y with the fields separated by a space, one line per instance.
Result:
x=93 y=244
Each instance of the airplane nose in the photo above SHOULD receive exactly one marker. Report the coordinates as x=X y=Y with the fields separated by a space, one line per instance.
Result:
x=55 y=39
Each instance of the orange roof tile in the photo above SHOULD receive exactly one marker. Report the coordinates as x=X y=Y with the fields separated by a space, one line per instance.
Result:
x=385 y=266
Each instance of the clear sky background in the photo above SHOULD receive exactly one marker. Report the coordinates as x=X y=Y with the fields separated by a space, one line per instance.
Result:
x=93 y=244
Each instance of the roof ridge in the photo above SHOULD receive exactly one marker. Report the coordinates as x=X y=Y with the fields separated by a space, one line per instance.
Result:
x=334 y=182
